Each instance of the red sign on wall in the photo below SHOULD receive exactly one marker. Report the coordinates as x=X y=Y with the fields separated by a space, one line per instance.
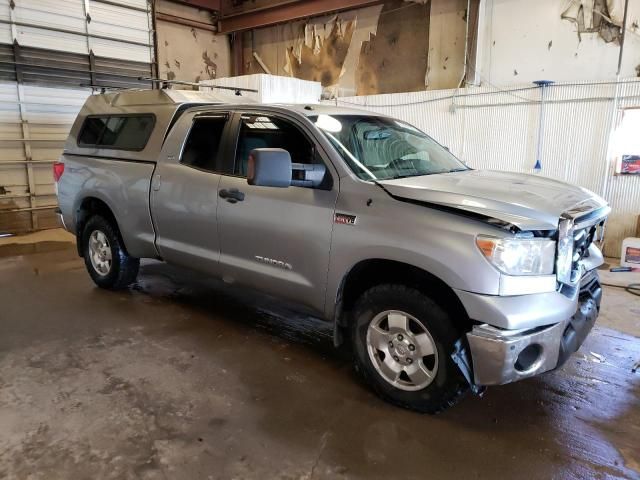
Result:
x=630 y=164
x=632 y=255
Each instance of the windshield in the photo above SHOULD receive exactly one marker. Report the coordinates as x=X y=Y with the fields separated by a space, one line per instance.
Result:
x=380 y=148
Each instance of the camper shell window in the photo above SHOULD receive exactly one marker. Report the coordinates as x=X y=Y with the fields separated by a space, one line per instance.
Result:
x=117 y=132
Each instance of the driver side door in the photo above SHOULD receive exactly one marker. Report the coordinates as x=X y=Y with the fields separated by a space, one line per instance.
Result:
x=276 y=240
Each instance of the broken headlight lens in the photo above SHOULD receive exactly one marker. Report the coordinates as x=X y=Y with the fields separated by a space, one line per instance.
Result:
x=519 y=256
x=564 y=264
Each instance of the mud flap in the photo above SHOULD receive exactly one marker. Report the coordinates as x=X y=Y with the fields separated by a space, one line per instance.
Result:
x=460 y=357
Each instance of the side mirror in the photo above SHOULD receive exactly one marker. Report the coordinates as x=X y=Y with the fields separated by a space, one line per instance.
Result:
x=269 y=167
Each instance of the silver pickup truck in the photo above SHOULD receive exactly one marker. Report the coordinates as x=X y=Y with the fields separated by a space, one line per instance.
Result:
x=442 y=279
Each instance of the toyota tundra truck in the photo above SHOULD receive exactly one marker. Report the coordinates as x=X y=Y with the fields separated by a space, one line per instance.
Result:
x=440 y=278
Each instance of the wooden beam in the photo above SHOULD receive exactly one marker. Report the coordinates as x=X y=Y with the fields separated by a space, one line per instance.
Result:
x=205 y=4
x=272 y=15
x=237 y=54
x=165 y=17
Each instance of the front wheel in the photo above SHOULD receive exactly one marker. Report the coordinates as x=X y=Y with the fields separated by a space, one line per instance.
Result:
x=403 y=344
x=108 y=263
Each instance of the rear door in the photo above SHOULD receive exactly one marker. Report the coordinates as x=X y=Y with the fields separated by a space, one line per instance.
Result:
x=276 y=239
x=185 y=191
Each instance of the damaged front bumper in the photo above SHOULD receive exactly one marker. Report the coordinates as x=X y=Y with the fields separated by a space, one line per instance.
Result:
x=502 y=356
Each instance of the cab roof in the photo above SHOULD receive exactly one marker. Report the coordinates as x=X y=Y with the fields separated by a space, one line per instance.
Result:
x=165 y=106
x=130 y=99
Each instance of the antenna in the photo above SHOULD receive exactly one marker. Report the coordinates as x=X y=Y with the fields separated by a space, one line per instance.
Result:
x=165 y=83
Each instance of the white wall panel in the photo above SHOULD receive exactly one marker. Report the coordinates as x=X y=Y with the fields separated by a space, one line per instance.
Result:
x=9 y=107
x=119 y=23
x=66 y=15
x=269 y=89
x=494 y=129
x=5 y=10
x=525 y=40
x=120 y=31
x=35 y=120
x=120 y=50
x=42 y=116
x=624 y=195
x=51 y=39
x=5 y=33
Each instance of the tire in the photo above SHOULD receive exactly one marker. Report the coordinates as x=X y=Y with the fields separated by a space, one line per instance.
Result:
x=385 y=351
x=110 y=266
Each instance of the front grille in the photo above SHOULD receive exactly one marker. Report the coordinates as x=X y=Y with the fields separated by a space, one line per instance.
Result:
x=575 y=235
x=590 y=288
x=582 y=240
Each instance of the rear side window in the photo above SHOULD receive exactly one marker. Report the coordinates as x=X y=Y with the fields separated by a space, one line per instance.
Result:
x=118 y=132
x=202 y=145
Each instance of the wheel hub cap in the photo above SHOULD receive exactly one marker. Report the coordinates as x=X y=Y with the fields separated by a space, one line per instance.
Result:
x=100 y=253
x=402 y=350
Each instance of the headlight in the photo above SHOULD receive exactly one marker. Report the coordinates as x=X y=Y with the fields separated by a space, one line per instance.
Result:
x=565 y=251
x=519 y=256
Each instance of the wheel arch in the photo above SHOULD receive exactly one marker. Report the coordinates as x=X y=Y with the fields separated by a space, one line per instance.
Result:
x=88 y=207
x=375 y=271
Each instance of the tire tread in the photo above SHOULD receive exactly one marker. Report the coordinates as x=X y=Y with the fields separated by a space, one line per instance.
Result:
x=457 y=386
x=126 y=267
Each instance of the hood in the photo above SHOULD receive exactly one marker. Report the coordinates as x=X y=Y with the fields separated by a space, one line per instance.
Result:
x=529 y=202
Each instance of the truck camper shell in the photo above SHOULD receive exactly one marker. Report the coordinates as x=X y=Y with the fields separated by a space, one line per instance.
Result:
x=154 y=110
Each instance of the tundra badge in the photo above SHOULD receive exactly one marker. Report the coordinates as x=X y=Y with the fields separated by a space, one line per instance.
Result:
x=275 y=263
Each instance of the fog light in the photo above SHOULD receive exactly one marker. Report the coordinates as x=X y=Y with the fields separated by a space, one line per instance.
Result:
x=528 y=357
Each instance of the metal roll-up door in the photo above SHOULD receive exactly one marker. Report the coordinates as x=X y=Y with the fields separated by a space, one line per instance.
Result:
x=53 y=54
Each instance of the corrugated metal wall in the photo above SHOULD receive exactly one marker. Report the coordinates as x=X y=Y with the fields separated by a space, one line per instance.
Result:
x=115 y=29
x=623 y=191
x=497 y=129
x=34 y=123
x=48 y=49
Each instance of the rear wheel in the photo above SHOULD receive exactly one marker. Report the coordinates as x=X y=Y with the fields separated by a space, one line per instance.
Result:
x=108 y=263
x=403 y=342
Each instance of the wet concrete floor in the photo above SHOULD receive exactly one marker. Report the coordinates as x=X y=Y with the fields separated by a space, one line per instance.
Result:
x=182 y=378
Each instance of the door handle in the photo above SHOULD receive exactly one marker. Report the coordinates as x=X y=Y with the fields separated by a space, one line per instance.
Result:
x=233 y=195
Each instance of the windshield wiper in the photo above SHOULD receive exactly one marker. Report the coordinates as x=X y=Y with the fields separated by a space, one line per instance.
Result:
x=423 y=174
x=395 y=177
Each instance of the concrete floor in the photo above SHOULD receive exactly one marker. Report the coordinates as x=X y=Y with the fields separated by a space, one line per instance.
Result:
x=180 y=378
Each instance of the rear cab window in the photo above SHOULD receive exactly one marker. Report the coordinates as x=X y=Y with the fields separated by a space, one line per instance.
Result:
x=117 y=132
x=201 y=149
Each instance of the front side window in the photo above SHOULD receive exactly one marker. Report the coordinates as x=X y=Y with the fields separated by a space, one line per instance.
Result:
x=380 y=148
x=117 y=132
x=203 y=143
x=260 y=131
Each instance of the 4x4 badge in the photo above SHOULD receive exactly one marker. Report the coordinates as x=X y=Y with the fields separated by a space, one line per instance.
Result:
x=345 y=219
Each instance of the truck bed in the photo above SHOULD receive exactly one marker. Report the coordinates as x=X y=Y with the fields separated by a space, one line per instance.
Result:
x=124 y=186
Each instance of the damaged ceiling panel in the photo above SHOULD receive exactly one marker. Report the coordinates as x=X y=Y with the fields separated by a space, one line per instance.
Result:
x=361 y=51
x=400 y=45
x=321 y=58
x=324 y=48
x=603 y=17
